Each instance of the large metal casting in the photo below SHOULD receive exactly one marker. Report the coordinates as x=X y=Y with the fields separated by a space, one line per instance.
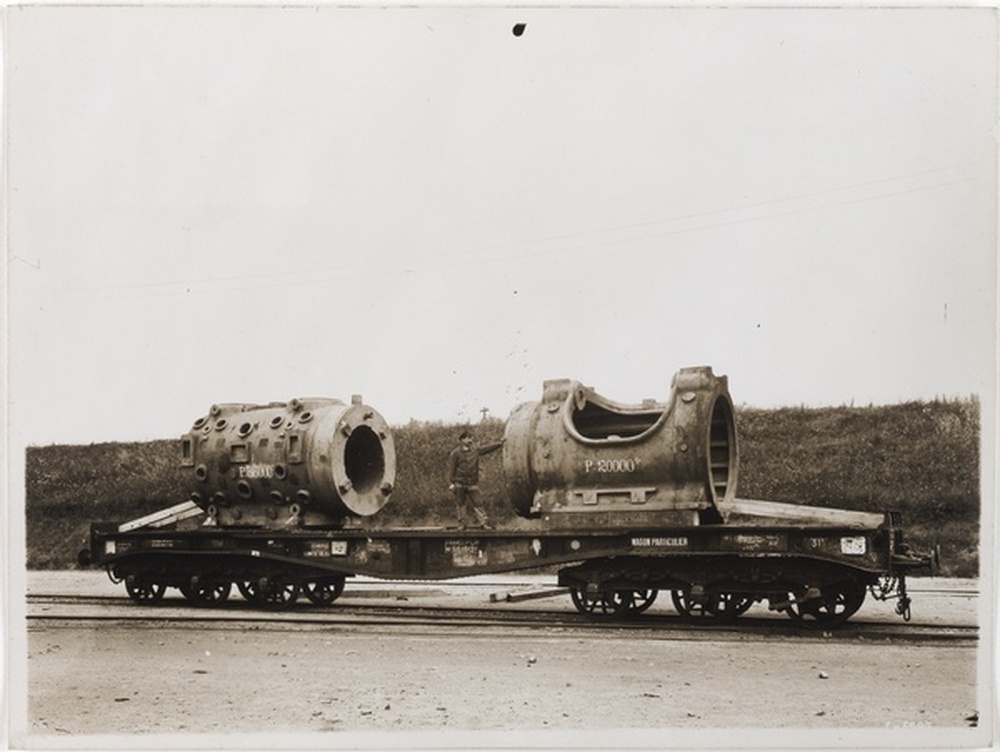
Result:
x=304 y=462
x=578 y=459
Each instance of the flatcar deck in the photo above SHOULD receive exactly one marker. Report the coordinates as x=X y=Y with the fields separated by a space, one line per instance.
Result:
x=818 y=571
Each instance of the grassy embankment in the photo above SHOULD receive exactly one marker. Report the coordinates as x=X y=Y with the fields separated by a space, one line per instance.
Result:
x=920 y=458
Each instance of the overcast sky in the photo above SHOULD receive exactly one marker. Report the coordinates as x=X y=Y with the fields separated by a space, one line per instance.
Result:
x=253 y=204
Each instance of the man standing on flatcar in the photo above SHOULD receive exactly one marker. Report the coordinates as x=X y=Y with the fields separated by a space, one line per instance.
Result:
x=463 y=476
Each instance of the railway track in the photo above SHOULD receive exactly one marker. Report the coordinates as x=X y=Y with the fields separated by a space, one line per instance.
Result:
x=396 y=609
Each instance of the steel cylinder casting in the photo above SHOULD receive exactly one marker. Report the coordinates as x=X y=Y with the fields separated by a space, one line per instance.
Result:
x=577 y=458
x=306 y=461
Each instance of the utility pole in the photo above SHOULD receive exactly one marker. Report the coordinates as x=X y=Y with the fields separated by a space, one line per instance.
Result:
x=485 y=411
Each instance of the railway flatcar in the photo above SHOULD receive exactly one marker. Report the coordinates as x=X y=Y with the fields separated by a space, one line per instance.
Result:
x=624 y=501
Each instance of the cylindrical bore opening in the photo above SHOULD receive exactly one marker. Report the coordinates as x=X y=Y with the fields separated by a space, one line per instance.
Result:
x=595 y=421
x=364 y=459
x=722 y=449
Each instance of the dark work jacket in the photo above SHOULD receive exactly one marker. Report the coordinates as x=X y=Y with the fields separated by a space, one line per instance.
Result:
x=463 y=464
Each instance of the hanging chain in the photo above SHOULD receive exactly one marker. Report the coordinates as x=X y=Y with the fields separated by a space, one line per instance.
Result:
x=889 y=586
x=903 y=605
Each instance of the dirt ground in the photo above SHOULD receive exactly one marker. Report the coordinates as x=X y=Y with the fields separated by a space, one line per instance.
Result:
x=363 y=686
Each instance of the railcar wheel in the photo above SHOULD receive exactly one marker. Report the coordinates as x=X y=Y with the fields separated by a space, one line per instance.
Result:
x=279 y=592
x=207 y=594
x=711 y=606
x=249 y=591
x=835 y=605
x=601 y=605
x=144 y=591
x=642 y=599
x=325 y=591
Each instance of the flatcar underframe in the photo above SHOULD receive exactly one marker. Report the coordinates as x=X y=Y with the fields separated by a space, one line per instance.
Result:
x=817 y=574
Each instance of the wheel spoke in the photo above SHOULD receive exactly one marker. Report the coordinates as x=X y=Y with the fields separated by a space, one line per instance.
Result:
x=604 y=604
x=278 y=592
x=142 y=590
x=325 y=591
x=642 y=599
x=249 y=591
x=834 y=605
x=709 y=606
x=205 y=594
